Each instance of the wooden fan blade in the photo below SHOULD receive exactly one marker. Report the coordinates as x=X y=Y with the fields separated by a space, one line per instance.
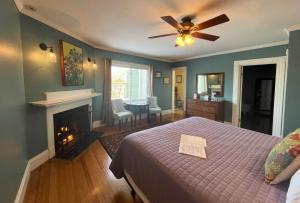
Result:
x=212 y=22
x=171 y=21
x=205 y=36
x=157 y=36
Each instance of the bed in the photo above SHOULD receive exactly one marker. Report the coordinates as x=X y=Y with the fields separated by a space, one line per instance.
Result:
x=233 y=172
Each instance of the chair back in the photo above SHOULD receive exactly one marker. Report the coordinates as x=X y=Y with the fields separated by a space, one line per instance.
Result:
x=117 y=105
x=152 y=101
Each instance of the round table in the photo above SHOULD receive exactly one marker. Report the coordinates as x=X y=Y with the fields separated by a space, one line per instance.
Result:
x=137 y=106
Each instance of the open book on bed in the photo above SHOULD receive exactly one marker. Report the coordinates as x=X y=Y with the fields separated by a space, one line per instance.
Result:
x=192 y=145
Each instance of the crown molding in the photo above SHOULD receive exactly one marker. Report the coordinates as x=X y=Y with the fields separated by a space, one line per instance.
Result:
x=291 y=29
x=132 y=54
x=72 y=34
x=236 y=50
x=19 y=4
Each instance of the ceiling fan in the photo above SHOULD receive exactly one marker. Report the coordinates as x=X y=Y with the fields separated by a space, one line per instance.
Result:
x=187 y=30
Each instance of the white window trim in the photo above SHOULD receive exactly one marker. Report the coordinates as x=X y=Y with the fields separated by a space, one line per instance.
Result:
x=130 y=65
x=124 y=64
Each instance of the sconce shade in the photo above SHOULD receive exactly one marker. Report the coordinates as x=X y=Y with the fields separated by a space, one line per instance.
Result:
x=51 y=56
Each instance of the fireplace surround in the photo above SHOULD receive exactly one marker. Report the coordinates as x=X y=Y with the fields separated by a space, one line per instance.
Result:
x=61 y=101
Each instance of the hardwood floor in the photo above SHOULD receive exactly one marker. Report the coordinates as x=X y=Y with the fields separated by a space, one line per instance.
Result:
x=85 y=179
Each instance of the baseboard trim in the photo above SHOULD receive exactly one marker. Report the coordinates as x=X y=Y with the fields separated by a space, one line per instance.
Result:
x=167 y=111
x=38 y=160
x=32 y=164
x=229 y=123
x=22 y=189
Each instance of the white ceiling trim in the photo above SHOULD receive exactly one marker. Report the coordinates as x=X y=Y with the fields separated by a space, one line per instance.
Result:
x=66 y=31
x=291 y=29
x=132 y=54
x=237 y=50
x=19 y=4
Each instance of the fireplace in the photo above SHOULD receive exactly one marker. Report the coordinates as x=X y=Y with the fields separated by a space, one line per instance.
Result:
x=71 y=131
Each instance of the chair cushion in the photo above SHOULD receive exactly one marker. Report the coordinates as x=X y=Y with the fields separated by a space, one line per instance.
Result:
x=282 y=155
x=117 y=105
x=155 y=110
x=152 y=102
x=123 y=114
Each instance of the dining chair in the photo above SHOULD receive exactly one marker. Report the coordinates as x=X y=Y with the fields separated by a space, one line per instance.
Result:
x=120 y=113
x=154 y=109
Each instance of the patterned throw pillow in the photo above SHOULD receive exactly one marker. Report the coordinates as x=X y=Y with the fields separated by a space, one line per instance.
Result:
x=282 y=155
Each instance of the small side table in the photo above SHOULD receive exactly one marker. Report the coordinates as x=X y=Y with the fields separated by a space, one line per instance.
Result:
x=137 y=108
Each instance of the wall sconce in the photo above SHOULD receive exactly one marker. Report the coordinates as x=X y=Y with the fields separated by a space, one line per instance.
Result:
x=51 y=56
x=94 y=63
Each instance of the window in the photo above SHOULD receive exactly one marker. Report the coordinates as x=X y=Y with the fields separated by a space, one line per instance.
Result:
x=130 y=82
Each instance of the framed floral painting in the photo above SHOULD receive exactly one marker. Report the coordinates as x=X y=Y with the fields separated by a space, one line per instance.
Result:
x=71 y=64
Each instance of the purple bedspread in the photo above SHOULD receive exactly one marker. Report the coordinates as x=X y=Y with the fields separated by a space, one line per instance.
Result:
x=233 y=172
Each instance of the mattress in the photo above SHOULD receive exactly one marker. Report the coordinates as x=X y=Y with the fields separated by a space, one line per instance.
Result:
x=233 y=172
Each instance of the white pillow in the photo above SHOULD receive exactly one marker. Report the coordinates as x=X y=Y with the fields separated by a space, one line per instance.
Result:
x=293 y=194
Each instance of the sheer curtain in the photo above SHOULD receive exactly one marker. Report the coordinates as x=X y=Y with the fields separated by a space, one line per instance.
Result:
x=131 y=82
x=151 y=84
x=107 y=110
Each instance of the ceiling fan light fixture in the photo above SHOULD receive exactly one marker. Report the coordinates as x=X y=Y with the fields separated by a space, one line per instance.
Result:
x=184 y=39
x=188 y=39
x=180 y=41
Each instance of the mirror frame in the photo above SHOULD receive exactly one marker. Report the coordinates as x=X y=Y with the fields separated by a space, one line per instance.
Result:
x=217 y=73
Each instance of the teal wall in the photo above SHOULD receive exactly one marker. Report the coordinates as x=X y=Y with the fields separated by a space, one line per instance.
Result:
x=163 y=92
x=41 y=76
x=224 y=63
x=292 y=110
x=13 y=156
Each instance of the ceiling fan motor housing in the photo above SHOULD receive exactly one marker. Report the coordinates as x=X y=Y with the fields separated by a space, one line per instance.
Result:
x=187 y=23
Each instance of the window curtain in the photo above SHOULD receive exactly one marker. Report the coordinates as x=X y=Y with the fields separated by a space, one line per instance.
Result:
x=151 y=83
x=107 y=109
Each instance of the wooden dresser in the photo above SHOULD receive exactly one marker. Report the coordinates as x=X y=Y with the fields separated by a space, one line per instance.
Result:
x=206 y=109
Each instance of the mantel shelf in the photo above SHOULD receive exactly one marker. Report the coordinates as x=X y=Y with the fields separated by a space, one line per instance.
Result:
x=59 y=101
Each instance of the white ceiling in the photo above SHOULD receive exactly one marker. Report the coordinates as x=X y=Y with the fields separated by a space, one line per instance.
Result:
x=125 y=25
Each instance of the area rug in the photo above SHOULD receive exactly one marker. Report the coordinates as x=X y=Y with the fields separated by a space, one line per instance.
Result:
x=112 y=142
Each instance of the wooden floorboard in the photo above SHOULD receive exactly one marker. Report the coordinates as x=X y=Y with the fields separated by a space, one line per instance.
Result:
x=86 y=179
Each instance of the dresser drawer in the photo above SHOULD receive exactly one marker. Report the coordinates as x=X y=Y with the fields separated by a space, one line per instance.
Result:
x=206 y=109
x=207 y=115
x=209 y=104
x=209 y=109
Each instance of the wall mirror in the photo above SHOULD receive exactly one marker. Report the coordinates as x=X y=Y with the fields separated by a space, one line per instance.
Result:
x=211 y=84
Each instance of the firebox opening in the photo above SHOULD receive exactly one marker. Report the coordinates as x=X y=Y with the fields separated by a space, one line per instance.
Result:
x=71 y=129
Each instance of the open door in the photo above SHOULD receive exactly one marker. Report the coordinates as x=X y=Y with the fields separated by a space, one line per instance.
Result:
x=179 y=90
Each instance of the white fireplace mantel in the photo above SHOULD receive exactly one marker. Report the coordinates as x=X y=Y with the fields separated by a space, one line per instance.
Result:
x=56 y=102
x=63 y=97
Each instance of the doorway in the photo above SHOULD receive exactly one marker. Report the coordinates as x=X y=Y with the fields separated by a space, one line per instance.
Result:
x=279 y=92
x=258 y=97
x=179 y=90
